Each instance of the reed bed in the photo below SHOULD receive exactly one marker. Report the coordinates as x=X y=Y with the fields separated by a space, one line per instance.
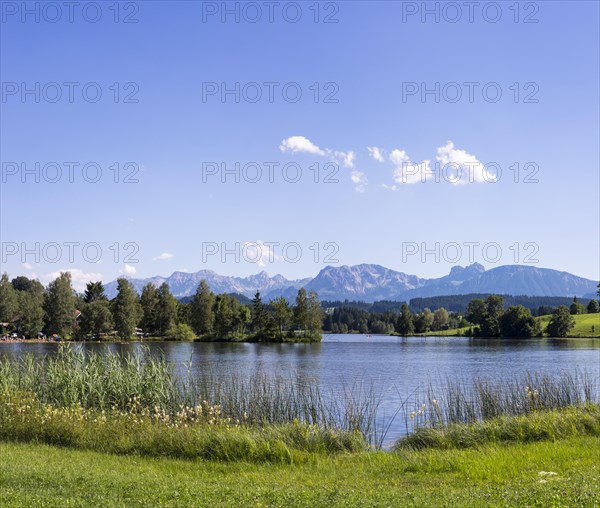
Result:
x=142 y=382
x=459 y=414
x=139 y=404
x=545 y=425
x=452 y=401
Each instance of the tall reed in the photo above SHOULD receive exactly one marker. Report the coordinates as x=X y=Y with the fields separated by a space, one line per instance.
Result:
x=110 y=382
x=452 y=401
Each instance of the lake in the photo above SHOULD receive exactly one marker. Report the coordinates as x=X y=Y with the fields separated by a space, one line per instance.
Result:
x=399 y=367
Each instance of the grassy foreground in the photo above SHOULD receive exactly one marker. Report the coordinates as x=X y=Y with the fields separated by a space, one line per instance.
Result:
x=560 y=473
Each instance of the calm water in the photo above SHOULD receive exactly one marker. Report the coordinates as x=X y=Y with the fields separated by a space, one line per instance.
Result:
x=397 y=366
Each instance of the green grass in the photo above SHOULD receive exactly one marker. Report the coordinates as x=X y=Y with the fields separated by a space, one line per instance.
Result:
x=193 y=433
x=583 y=327
x=540 y=425
x=509 y=475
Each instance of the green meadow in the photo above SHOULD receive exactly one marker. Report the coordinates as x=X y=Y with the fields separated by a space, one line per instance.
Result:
x=546 y=473
x=583 y=327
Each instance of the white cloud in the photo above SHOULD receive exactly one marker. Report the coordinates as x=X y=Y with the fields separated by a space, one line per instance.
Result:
x=296 y=144
x=79 y=278
x=459 y=167
x=407 y=172
x=376 y=153
x=27 y=266
x=398 y=157
x=346 y=157
x=360 y=181
x=300 y=144
x=258 y=252
x=164 y=256
x=128 y=270
x=454 y=166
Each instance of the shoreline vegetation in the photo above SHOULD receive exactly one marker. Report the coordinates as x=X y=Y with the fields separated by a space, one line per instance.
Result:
x=446 y=334
x=137 y=404
x=283 y=440
x=585 y=326
x=56 y=313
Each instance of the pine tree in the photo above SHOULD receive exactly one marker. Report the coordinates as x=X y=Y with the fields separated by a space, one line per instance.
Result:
x=149 y=304
x=94 y=291
x=259 y=316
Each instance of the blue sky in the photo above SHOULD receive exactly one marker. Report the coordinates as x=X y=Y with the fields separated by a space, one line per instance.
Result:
x=378 y=211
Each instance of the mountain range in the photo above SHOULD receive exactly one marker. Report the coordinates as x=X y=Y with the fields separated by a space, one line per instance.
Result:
x=370 y=283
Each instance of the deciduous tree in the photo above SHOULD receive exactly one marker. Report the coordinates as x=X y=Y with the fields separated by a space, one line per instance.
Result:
x=59 y=305
x=202 y=313
x=405 y=325
x=561 y=323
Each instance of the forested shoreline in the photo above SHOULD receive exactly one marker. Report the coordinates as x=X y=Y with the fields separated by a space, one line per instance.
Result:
x=28 y=310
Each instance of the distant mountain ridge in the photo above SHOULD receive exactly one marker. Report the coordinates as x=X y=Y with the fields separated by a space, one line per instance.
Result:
x=370 y=283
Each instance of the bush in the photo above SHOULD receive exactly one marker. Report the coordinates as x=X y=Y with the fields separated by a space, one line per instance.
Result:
x=181 y=332
x=561 y=323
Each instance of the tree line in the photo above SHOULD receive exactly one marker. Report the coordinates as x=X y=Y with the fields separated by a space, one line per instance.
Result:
x=490 y=317
x=484 y=317
x=539 y=305
x=29 y=309
x=355 y=319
